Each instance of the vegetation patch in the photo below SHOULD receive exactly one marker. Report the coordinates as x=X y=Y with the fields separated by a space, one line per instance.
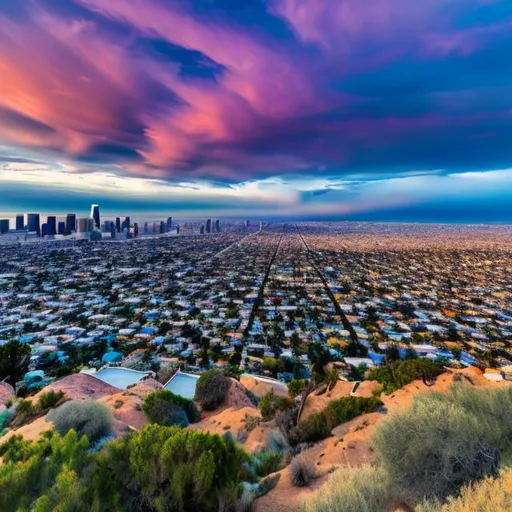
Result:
x=167 y=409
x=319 y=426
x=211 y=389
x=398 y=374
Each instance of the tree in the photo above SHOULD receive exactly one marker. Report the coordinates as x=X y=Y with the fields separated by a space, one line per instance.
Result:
x=14 y=361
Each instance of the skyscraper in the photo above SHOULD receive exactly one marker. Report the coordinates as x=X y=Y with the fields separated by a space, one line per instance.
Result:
x=62 y=228
x=51 y=225
x=85 y=225
x=118 y=224
x=113 y=230
x=34 y=223
x=70 y=223
x=217 y=226
x=169 y=223
x=162 y=227
x=95 y=214
x=4 y=226
x=44 y=229
x=135 y=229
x=209 y=226
x=20 y=222
x=126 y=224
x=201 y=230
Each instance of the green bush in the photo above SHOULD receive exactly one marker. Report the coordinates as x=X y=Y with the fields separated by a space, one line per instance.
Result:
x=296 y=387
x=49 y=399
x=88 y=418
x=398 y=374
x=445 y=441
x=363 y=489
x=268 y=462
x=271 y=403
x=156 y=469
x=318 y=426
x=167 y=409
x=211 y=389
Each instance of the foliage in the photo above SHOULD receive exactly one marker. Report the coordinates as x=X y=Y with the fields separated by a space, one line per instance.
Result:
x=318 y=426
x=276 y=442
x=363 y=489
x=296 y=387
x=89 y=418
x=158 y=469
x=302 y=472
x=271 y=403
x=492 y=494
x=49 y=399
x=268 y=462
x=397 y=374
x=167 y=409
x=445 y=440
x=211 y=389
x=14 y=361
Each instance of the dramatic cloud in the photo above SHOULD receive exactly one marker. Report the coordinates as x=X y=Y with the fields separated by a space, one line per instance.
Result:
x=238 y=92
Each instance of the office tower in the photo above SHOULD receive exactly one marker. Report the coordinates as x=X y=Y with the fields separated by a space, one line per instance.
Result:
x=95 y=214
x=146 y=228
x=118 y=224
x=162 y=227
x=209 y=226
x=44 y=229
x=20 y=223
x=201 y=230
x=126 y=224
x=178 y=229
x=113 y=230
x=62 y=228
x=247 y=223
x=34 y=223
x=169 y=223
x=70 y=223
x=4 y=226
x=217 y=226
x=135 y=229
x=85 y=225
x=51 y=225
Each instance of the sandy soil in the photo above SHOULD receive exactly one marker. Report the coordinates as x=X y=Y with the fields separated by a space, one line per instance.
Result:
x=350 y=444
x=260 y=388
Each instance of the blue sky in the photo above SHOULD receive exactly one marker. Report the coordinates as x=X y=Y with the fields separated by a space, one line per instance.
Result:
x=384 y=110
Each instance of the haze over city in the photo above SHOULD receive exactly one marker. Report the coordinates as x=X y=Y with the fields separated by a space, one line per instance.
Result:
x=278 y=109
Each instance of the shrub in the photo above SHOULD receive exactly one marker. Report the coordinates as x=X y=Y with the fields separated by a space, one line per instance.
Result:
x=318 y=426
x=363 y=489
x=302 y=472
x=49 y=399
x=268 y=462
x=296 y=387
x=445 y=441
x=492 y=494
x=271 y=403
x=277 y=442
x=156 y=469
x=400 y=373
x=167 y=409
x=211 y=389
x=88 y=418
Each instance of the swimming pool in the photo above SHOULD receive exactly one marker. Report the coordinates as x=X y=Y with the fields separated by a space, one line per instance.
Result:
x=120 y=377
x=183 y=384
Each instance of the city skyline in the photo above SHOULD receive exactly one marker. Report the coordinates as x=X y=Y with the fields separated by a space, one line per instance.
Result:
x=279 y=109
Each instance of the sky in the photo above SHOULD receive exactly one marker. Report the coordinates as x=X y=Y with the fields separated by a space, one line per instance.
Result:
x=275 y=109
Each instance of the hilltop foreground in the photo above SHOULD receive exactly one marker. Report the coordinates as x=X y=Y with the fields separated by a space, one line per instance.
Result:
x=237 y=456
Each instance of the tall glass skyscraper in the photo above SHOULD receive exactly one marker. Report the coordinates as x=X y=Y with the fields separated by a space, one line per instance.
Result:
x=95 y=214
x=34 y=223
x=51 y=225
x=70 y=223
